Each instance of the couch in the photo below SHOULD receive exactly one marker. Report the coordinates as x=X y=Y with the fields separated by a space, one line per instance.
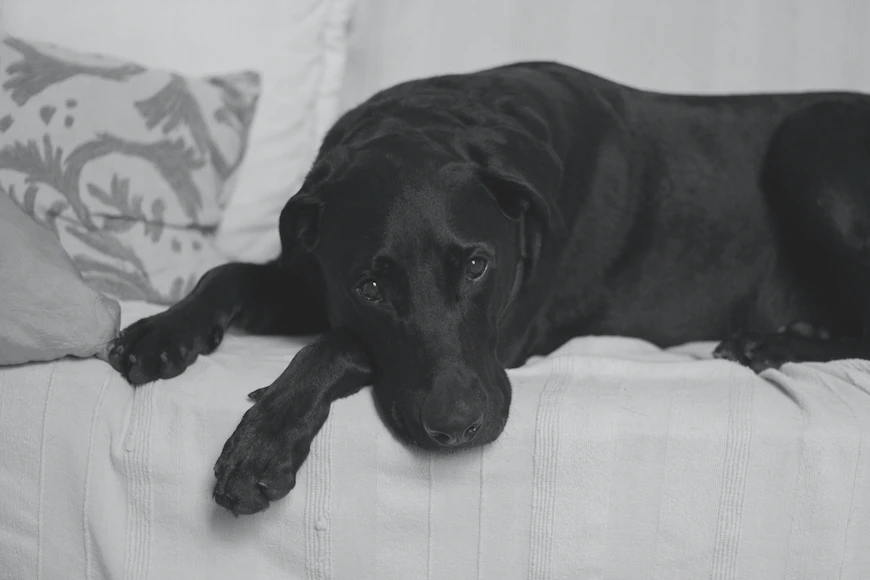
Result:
x=620 y=460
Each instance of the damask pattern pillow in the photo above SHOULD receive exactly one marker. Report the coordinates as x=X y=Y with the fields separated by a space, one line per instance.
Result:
x=130 y=167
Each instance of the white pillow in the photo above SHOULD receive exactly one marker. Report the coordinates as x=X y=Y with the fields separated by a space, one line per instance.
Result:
x=298 y=46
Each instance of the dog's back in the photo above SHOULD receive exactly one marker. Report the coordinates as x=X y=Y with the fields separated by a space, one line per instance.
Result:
x=671 y=236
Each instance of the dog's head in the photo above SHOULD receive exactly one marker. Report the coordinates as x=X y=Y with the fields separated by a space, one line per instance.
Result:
x=423 y=241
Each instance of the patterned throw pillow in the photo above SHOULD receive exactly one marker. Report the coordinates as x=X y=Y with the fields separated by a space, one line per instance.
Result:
x=129 y=166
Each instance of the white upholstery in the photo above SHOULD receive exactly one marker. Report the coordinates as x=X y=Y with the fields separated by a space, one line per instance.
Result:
x=619 y=461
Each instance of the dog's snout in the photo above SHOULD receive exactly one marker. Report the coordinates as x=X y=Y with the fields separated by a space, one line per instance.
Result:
x=451 y=420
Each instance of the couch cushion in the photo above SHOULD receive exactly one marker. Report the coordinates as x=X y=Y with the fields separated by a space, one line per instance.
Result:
x=46 y=309
x=619 y=460
x=298 y=47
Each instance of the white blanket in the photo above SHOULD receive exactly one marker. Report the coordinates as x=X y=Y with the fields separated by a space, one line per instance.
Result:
x=619 y=461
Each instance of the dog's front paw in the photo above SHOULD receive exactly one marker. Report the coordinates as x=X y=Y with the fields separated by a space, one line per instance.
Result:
x=259 y=462
x=163 y=346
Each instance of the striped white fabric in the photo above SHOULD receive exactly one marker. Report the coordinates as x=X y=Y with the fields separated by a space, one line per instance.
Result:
x=619 y=461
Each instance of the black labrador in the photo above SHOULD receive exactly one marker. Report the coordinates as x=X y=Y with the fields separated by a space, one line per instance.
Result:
x=454 y=226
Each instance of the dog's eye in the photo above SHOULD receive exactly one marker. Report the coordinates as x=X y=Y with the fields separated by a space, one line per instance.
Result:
x=474 y=268
x=370 y=290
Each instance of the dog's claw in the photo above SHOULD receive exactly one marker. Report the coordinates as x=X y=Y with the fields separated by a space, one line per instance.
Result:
x=163 y=346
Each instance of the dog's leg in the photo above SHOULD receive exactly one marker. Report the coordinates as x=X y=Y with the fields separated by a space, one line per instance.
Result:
x=259 y=461
x=257 y=298
x=817 y=179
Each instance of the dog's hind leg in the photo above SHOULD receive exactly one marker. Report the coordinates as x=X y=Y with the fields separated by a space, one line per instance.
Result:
x=817 y=179
x=257 y=298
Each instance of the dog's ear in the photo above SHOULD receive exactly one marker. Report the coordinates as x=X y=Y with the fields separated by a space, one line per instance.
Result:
x=299 y=225
x=300 y=219
x=522 y=172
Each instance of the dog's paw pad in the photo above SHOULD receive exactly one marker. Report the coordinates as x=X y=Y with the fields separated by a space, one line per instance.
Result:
x=162 y=346
x=116 y=351
x=256 y=467
x=277 y=485
x=244 y=487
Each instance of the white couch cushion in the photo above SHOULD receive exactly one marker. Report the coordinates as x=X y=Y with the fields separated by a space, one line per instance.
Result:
x=298 y=46
x=619 y=460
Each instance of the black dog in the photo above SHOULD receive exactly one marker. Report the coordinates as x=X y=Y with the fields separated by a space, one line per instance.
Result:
x=455 y=226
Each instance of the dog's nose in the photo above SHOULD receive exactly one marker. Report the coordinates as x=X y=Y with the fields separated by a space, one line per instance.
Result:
x=452 y=436
x=454 y=424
